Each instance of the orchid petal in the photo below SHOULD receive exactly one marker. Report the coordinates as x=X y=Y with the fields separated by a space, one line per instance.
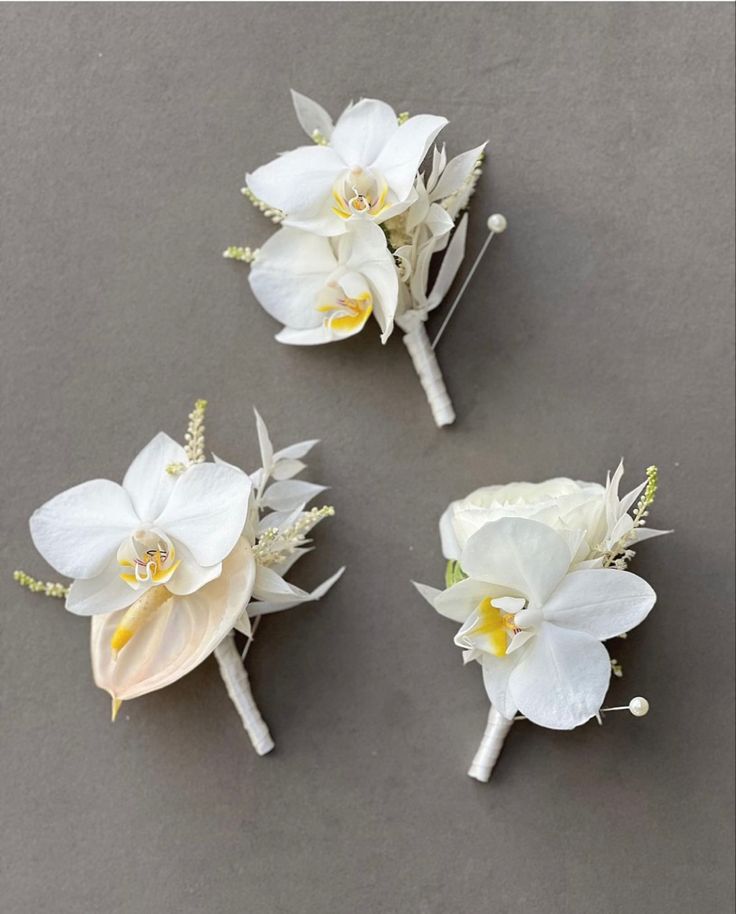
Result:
x=561 y=678
x=297 y=181
x=320 y=220
x=402 y=155
x=460 y=600
x=519 y=554
x=519 y=640
x=181 y=634
x=288 y=274
x=496 y=675
x=80 y=529
x=190 y=575
x=394 y=207
x=602 y=602
x=147 y=482
x=362 y=131
x=316 y=336
x=207 y=510
x=105 y=593
x=367 y=254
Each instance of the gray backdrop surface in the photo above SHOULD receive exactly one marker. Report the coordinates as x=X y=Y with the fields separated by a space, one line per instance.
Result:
x=599 y=325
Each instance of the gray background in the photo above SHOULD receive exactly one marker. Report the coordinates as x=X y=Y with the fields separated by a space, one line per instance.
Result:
x=599 y=325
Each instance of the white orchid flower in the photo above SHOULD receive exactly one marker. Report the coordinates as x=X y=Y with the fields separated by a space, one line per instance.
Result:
x=535 y=626
x=364 y=169
x=324 y=290
x=156 y=529
x=158 y=562
x=366 y=165
x=177 y=636
x=173 y=562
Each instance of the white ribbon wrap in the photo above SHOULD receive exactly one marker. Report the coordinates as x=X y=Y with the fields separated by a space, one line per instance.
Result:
x=428 y=369
x=237 y=684
x=490 y=746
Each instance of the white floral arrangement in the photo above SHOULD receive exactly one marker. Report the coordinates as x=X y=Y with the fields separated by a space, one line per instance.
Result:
x=359 y=227
x=537 y=579
x=170 y=564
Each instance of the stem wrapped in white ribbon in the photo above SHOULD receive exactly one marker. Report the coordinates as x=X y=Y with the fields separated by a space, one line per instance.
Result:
x=430 y=375
x=490 y=746
x=238 y=688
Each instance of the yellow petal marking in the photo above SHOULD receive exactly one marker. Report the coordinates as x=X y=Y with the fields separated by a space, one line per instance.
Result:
x=495 y=625
x=380 y=205
x=341 y=209
x=359 y=310
x=116 y=703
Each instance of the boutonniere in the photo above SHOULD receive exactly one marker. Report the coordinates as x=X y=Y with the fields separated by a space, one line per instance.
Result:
x=537 y=579
x=360 y=227
x=170 y=564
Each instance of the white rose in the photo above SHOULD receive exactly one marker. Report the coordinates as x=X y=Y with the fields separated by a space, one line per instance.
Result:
x=575 y=509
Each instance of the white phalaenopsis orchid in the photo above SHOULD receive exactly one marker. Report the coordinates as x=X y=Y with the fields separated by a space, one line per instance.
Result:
x=323 y=289
x=176 y=559
x=537 y=589
x=360 y=227
x=365 y=165
x=119 y=541
x=535 y=626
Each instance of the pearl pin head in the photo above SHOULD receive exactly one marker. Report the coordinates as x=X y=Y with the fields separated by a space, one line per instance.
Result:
x=639 y=706
x=497 y=223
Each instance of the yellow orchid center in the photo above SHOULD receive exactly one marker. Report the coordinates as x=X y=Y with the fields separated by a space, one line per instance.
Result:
x=147 y=558
x=358 y=193
x=345 y=314
x=496 y=625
